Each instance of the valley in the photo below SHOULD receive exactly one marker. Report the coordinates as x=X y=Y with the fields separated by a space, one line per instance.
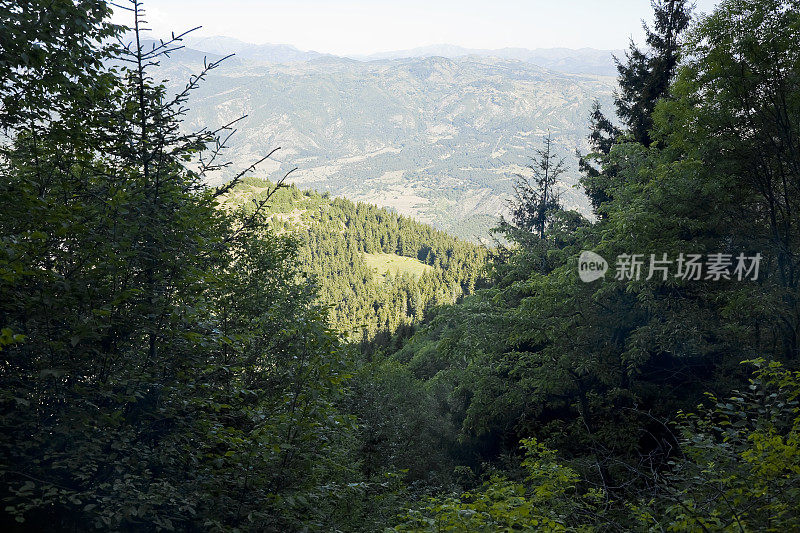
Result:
x=438 y=139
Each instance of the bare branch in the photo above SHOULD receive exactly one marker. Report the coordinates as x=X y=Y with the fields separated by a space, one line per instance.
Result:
x=231 y=184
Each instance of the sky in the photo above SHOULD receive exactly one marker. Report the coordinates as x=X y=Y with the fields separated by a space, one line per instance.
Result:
x=360 y=27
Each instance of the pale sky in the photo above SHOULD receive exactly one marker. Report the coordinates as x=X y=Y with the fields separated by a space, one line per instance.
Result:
x=353 y=27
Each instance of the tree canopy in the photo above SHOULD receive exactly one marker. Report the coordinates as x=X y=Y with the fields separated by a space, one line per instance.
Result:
x=175 y=356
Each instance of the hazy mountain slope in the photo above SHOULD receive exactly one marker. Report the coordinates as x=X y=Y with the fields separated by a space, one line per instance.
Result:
x=581 y=61
x=434 y=138
x=567 y=60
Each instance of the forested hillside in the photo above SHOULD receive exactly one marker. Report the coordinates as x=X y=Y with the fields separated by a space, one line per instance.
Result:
x=167 y=361
x=379 y=273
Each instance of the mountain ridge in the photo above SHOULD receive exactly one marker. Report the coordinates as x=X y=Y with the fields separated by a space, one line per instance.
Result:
x=584 y=60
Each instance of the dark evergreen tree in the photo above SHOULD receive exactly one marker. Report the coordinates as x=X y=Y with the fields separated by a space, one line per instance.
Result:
x=644 y=78
x=162 y=364
x=537 y=198
x=594 y=165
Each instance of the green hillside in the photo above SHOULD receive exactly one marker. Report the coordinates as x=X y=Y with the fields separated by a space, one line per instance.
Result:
x=379 y=273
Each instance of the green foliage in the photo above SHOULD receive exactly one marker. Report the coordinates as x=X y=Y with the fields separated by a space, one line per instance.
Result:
x=736 y=470
x=399 y=426
x=167 y=364
x=547 y=500
x=739 y=467
x=599 y=370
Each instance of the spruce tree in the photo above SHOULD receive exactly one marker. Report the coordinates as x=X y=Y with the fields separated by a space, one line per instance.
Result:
x=537 y=198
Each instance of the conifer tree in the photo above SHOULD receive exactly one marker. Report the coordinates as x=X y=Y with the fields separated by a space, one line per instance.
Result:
x=643 y=79
x=537 y=198
x=645 y=76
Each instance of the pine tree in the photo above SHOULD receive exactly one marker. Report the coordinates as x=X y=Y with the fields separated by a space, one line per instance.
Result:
x=537 y=198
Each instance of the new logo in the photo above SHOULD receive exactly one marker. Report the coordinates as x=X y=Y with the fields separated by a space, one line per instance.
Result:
x=591 y=266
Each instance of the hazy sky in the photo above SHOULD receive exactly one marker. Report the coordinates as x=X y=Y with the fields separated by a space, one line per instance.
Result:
x=363 y=27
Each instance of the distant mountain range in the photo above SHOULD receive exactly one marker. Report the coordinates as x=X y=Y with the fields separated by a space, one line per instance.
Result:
x=581 y=61
x=250 y=53
x=436 y=138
